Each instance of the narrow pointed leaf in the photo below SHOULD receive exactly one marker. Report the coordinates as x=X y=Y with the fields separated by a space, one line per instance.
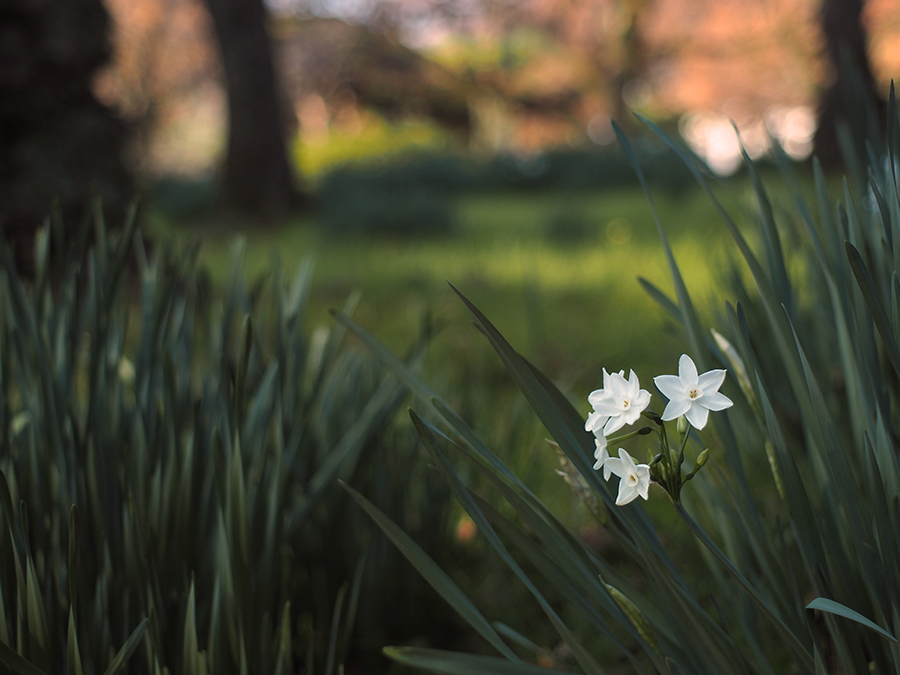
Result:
x=73 y=654
x=11 y=659
x=120 y=660
x=434 y=575
x=832 y=607
x=870 y=294
x=455 y=663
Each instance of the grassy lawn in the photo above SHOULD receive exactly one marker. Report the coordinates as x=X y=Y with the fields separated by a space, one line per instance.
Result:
x=573 y=306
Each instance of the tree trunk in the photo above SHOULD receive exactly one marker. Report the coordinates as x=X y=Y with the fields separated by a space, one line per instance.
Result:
x=58 y=145
x=258 y=181
x=851 y=97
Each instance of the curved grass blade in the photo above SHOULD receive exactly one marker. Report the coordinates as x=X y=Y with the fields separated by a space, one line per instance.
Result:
x=117 y=665
x=455 y=663
x=771 y=303
x=421 y=390
x=435 y=576
x=760 y=602
x=73 y=654
x=74 y=540
x=11 y=659
x=562 y=421
x=587 y=661
x=335 y=629
x=832 y=607
x=189 y=645
x=691 y=322
x=385 y=400
x=870 y=294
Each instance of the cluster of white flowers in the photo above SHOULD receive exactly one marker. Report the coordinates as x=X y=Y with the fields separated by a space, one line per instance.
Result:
x=621 y=403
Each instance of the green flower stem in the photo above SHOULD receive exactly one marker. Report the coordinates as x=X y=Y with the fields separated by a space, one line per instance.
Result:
x=643 y=431
x=684 y=440
x=792 y=640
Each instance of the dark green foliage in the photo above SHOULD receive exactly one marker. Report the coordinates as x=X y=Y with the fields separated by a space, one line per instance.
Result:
x=183 y=198
x=798 y=508
x=383 y=203
x=413 y=197
x=169 y=459
x=569 y=226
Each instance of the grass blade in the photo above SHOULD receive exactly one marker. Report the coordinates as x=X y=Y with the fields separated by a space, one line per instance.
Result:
x=117 y=665
x=832 y=607
x=455 y=663
x=13 y=661
x=435 y=576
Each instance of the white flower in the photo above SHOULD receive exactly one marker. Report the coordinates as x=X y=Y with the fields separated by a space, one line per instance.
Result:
x=620 y=402
x=595 y=420
x=692 y=395
x=635 y=478
x=601 y=454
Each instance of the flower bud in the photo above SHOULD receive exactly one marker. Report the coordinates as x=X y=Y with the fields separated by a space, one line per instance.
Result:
x=701 y=460
x=682 y=425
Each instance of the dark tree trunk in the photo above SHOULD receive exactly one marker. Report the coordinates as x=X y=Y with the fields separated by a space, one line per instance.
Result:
x=258 y=181
x=57 y=143
x=851 y=97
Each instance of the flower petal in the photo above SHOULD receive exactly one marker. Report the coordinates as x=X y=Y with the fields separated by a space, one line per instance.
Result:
x=596 y=396
x=609 y=407
x=633 y=384
x=643 y=486
x=641 y=401
x=687 y=371
x=613 y=465
x=614 y=424
x=715 y=401
x=697 y=416
x=627 y=494
x=595 y=421
x=711 y=380
x=600 y=451
x=618 y=385
x=627 y=460
x=675 y=409
x=670 y=386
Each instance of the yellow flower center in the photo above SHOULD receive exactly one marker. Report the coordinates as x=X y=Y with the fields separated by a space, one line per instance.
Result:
x=694 y=393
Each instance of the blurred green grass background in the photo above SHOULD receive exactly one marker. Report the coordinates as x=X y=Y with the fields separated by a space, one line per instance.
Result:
x=557 y=273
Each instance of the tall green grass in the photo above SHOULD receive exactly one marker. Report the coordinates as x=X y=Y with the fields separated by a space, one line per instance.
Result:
x=168 y=458
x=795 y=514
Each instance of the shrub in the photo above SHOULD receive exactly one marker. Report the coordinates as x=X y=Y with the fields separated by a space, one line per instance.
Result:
x=382 y=203
x=414 y=197
x=169 y=455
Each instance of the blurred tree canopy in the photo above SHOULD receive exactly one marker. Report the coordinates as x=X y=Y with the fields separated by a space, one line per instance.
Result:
x=501 y=75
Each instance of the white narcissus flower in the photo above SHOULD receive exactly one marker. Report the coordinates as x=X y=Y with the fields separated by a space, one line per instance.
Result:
x=635 y=478
x=601 y=454
x=596 y=421
x=621 y=402
x=692 y=395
